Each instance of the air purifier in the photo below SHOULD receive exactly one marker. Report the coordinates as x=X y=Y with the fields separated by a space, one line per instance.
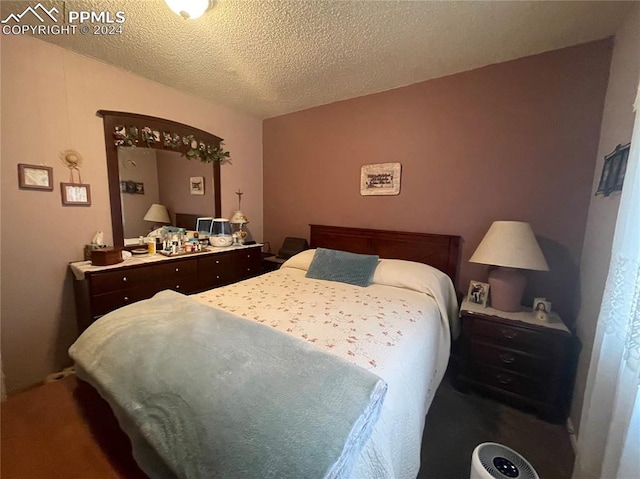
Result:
x=495 y=461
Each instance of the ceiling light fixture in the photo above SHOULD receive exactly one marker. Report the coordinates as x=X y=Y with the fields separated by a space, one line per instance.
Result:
x=189 y=9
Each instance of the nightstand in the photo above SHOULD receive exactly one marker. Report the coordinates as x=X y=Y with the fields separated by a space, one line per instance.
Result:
x=518 y=359
x=271 y=263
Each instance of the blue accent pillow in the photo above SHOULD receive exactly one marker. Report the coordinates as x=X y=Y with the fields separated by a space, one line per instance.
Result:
x=334 y=265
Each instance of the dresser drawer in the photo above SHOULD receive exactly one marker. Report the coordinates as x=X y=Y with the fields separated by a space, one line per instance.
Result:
x=249 y=263
x=510 y=336
x=105 y=282
x=185 y=285
x=217 y=270
x=104 y=303
x=172 y=270
x=511 y=382
x=513 y=360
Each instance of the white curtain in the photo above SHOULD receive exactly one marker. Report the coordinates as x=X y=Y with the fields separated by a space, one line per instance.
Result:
x=609 y=440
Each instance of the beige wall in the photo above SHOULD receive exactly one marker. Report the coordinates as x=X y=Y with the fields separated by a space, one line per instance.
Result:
x=49 y=101
x=138 y=165
x=617 y=127
x=512 y=141
x=174 y=185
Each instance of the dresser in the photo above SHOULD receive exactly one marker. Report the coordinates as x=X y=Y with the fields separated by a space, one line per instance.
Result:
x=518 y=359
x=99 y=290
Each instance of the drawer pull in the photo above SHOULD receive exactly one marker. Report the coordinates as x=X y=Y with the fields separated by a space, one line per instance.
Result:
x=177 y=269
x=507 y=358
x=217 y=261
x=126 y=298
x=509 y=333
x=177 y=286
x=502 y=379
x=217 y=277
x=124 y=278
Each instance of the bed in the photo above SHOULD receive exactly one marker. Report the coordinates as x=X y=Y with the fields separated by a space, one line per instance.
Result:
x=397 y=330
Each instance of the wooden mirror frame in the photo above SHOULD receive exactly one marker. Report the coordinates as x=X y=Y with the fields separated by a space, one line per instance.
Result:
x=114 y=119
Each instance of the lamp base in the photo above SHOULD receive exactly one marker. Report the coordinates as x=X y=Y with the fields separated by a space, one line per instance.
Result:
x=506 y=288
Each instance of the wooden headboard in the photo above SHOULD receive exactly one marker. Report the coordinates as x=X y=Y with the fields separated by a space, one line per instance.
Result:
x=439 y=251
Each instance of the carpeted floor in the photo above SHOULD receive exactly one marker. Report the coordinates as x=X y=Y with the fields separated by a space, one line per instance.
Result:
x=457 y=423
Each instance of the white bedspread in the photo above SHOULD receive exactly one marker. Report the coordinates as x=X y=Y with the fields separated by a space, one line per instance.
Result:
x=397 y=333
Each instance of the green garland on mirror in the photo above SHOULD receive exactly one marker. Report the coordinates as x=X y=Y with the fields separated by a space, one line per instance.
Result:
x=129 y=136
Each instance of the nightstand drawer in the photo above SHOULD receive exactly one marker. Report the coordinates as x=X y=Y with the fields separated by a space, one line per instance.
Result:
x=524 y=363
x=511 y=382
x=510 y=336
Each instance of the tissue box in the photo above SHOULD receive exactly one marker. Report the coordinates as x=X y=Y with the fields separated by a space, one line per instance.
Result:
x=106 y=256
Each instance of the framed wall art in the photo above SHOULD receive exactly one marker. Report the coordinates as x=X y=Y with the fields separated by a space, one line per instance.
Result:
x=196 y=185
x=75 y=194
x=35 y=177
x=613 y=170
x=380 y=179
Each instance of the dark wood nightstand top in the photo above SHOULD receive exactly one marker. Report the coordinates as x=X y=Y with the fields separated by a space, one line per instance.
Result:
x=522 y=318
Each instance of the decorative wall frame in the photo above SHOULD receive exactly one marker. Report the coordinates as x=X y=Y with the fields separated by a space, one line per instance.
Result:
x=75 y=194
x=613 y=170
x=35 y=177
x=196 y=185
x=380 y=179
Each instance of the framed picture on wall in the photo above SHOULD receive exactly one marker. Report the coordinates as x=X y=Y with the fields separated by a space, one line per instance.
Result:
x=196 y=185
x=35 y=177
x=139 y=188
x=75 y=194
x=380 y=179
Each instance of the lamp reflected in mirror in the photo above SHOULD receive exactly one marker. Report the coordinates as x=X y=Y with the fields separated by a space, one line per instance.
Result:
x=158 y=215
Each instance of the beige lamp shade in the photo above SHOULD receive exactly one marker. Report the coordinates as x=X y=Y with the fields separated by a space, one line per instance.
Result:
x=238 y=218
x=157 y=214
x=511 y=244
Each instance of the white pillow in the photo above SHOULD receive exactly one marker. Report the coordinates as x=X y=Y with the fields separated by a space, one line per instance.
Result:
x=408 y=274
x=301 y=260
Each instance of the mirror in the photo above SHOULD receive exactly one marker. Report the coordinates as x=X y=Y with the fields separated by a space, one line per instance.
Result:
x=160 y=145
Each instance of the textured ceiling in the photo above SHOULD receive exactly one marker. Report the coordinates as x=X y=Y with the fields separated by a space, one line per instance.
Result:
x=270 y=57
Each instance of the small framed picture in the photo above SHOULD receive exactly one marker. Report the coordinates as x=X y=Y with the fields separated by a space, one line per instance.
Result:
x=541 y=305
x=196 y=185
x=131 y=187
x=35 y=177
x=75 y=194
x=478 y=293
x=139 y=188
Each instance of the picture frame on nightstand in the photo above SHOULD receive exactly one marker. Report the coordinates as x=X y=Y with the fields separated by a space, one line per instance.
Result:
x=478 y=293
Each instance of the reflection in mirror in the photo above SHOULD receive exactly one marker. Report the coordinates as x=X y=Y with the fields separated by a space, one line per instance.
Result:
x=184 y=196
x=148 y=176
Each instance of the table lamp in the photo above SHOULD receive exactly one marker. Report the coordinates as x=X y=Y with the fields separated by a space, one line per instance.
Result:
x=512 y=247
x=157 y=214
x=239 y=219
